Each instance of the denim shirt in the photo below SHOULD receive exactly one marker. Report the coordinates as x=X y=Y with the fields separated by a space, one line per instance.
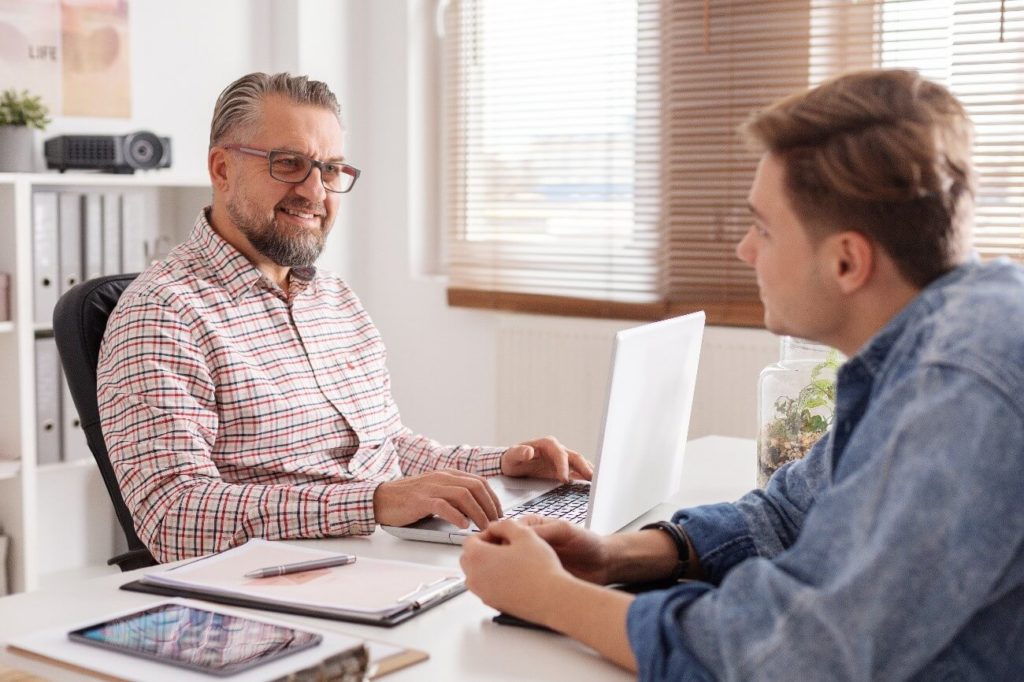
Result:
x=895 y=549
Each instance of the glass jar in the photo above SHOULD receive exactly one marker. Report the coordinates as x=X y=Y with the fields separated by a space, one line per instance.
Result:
x=796 y=403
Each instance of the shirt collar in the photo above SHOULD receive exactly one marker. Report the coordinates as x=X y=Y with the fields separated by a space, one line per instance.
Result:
x=874 y=353
x=232 y=270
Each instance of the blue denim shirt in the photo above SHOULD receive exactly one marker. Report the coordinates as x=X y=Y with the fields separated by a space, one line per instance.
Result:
x=895 y=549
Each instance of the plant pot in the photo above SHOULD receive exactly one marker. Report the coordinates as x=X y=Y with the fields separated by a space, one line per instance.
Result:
x=17 y=149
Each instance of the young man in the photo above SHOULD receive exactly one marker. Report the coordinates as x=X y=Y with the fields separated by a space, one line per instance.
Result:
x=895 y=550
x=242 y=392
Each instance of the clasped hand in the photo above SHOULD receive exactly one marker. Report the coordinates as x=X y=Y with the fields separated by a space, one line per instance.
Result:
x=512 y=565
x=460 y=497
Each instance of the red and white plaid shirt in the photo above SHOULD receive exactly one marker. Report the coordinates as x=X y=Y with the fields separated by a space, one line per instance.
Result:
x=232 y=411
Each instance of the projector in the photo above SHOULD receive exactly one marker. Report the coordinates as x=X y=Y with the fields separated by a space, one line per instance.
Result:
x=108 y=153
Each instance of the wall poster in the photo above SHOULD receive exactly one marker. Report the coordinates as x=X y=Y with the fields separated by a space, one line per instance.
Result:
x=74 y=54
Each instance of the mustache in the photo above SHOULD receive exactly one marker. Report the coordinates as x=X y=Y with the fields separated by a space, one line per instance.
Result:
x=304 y=206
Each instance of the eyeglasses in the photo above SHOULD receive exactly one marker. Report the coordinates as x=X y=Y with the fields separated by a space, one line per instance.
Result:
x=295 y=168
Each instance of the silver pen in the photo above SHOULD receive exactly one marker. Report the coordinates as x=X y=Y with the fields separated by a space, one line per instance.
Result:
x=302 y=566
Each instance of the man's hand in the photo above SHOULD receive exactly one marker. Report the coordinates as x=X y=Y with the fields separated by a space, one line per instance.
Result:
x=582 y=552
x=545 y=458
x=455 y=496
x=511 y=569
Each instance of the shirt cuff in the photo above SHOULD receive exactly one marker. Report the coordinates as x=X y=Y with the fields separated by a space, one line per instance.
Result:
x=720 y=537
x=488 y=461
x=352 y=510
x=654 y=628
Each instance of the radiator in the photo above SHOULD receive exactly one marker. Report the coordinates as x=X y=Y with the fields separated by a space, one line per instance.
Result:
x=552 y=377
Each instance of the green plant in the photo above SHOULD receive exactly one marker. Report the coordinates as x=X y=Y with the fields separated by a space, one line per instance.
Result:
x=22 y=109
x=799 y=422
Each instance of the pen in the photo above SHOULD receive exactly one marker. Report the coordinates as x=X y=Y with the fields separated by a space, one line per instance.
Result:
x=302 y=566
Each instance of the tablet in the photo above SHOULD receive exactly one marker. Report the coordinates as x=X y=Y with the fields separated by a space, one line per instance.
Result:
x=204 y=641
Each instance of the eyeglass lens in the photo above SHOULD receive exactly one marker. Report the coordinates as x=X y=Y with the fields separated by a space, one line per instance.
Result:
x=295 y=168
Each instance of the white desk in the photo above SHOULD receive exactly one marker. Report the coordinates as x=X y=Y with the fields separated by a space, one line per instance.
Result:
x=462 y=641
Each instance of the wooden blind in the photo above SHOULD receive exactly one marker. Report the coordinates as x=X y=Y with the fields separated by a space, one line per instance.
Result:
x=594 y=163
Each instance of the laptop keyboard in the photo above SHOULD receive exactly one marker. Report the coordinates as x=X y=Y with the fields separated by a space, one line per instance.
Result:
x=568 y=501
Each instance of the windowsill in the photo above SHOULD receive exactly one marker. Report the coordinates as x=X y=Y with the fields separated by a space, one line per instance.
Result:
x=719 y=314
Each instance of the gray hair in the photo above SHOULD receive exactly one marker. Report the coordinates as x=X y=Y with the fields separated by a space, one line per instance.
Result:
x=239 y=104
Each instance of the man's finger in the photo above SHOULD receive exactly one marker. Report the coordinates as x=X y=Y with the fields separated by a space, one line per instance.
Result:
x=462 y=499
x=504 y=531
x=482 y=491
x=554 y=531
x=580 y=466
x=443 y=509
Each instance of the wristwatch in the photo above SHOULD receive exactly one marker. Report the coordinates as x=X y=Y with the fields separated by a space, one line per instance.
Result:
x=682 y=546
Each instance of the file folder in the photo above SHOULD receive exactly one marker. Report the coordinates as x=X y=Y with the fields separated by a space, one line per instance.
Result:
x=44 y=257
x=138 y=232
x=48 y=399
x=370 y=591
x=69 y=232
x=74 y=445
x=112 y=234
x=92 y=236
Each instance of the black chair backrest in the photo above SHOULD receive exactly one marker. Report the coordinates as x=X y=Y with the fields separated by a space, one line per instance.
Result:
x=79 y=321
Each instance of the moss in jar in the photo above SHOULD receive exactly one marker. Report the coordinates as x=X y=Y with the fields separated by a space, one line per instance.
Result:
x=799 y=422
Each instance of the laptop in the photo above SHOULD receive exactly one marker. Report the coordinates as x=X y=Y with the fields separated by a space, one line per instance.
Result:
x=640 y=457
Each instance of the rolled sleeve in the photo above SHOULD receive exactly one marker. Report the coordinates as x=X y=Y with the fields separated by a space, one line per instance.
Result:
x=720 y=537
x=652 y=625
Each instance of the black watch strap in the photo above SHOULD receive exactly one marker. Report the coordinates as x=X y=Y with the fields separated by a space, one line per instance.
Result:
x=679 y=539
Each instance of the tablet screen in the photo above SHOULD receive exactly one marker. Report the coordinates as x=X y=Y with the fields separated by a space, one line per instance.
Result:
x=205 y=641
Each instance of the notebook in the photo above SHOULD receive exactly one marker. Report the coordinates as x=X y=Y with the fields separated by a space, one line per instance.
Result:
x=639 y=462
x=370 y=591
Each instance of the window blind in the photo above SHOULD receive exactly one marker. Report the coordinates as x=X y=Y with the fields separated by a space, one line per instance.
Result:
x=594 y=165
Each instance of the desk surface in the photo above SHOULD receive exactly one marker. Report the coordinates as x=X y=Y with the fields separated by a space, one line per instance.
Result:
x=462 y=641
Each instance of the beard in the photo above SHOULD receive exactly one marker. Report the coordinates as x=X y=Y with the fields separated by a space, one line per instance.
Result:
x=288 y=246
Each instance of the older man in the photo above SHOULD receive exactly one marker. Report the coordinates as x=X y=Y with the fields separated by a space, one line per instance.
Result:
x=243 y=393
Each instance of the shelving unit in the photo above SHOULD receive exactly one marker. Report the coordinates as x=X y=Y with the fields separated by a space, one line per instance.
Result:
x=58 y=516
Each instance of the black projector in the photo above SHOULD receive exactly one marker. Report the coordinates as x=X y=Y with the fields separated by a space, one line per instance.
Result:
x=108 y=153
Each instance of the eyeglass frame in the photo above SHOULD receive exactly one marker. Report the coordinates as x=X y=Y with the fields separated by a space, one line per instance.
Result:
x=313 y=163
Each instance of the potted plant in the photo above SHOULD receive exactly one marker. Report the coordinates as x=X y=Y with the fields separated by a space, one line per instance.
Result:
x=21 y=115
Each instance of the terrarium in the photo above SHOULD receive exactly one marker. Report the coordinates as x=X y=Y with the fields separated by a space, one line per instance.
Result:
x=796 y=403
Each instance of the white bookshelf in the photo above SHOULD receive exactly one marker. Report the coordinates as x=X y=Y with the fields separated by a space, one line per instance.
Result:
x=51 y=513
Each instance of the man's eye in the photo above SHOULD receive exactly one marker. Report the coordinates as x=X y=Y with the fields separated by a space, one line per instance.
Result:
x=288 y=163
x=331 y=170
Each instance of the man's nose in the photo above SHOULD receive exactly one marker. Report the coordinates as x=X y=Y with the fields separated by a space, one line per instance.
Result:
x=745 y=249
x=312 y=187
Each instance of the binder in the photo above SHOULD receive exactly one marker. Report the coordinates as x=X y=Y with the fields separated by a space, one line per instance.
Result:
x=44 y=257
x=48 y=398
x=92 y=236
x=138 y=233
x=74 y=445
x=371 y=591
x=111 y=229
x=69 y=233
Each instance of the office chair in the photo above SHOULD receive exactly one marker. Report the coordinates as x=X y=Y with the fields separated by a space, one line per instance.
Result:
x=79 y=321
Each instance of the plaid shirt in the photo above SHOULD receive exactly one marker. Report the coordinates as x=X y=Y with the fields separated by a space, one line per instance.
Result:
x=231 y=410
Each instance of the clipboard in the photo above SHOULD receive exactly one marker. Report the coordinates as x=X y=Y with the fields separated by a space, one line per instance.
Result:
x=378 y=592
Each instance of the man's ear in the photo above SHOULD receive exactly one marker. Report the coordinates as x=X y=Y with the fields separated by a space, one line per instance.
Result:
x=852 y=260
x=217 y=164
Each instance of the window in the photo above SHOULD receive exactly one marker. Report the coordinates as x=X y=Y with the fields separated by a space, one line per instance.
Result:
x=593 y=165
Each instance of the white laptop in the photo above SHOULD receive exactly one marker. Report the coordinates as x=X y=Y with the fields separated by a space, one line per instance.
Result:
x=639 y=462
